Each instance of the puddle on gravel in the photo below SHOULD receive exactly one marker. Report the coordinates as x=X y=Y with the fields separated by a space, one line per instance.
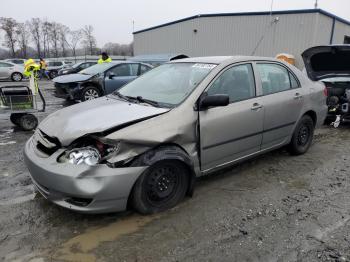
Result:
x=80 y=247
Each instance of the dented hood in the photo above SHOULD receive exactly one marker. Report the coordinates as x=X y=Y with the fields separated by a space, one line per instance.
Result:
x=71 y=78
x=327 y=61
x=94 y=116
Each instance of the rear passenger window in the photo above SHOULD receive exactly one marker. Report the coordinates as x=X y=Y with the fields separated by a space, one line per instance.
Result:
x=144 y=69
x=237 y=82
x=275 y=78
x=293 y=82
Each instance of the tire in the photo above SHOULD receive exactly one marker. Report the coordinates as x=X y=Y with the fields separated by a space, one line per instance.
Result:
x=162 y=186
x=302 y=136
x=53 y=74
x=90 y=93
x=14 y=118
x=28 y=122
x=16 y=77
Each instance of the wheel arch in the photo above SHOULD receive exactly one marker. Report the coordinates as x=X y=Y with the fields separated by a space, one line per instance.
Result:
x=168 y=151
x=313 y=116
x=87 y=84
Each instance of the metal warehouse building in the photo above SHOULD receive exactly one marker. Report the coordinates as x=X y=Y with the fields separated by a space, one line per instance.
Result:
x=257 y=33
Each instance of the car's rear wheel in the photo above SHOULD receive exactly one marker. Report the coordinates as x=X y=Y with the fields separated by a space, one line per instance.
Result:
x=16 y=77
x=302 y=136
x=90 y=93
x=160 y=187
x=27 y=122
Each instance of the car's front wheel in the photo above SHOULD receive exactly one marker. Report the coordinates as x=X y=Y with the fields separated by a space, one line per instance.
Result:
x=90 y=93
x=160 y=187
x=16 y=77
x=302 y=136
x=53 y=74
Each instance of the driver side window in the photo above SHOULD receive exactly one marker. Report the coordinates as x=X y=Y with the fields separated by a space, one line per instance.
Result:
x=237 y=82
x=124 y=70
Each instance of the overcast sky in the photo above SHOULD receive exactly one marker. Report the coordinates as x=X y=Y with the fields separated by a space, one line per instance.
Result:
x=113 y=19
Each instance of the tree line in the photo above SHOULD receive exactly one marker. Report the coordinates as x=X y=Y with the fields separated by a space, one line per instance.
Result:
x=43 y=38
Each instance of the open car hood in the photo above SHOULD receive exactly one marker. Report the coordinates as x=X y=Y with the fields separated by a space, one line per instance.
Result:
x=104 y=114
x=327 y=61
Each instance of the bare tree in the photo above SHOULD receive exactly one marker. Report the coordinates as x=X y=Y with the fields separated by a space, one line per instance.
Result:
x=63 y=34
x=46 y=29
x=118 y=49
x=54 y=37
x=9 y=25
x=35 y=30
x=88 y=38
x=73 y=40
x=22 y=36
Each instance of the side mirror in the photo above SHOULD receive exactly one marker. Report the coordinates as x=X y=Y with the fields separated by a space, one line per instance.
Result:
x=111 y=75
x=213 y=101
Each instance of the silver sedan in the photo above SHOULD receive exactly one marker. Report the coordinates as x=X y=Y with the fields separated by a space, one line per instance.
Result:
x=11 y=71
x=146 y=144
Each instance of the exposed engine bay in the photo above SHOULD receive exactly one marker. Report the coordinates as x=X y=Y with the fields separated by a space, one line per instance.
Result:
x=338 y=101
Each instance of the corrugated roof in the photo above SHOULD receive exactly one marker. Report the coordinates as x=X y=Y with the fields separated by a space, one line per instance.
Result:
x=301 y=11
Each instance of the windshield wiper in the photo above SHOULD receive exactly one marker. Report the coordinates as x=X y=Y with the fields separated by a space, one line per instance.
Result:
x=144 y=100
x=121 y=96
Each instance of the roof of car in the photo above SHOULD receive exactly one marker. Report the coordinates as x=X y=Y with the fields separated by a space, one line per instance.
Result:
x=221 y=59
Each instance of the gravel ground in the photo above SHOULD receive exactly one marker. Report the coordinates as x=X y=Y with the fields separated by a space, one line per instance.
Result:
x=273 y=208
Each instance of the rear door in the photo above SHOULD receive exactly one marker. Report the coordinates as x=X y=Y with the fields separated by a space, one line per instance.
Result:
x=119 y=75
x=234 y=131
x=5 y=70
x=282 y=98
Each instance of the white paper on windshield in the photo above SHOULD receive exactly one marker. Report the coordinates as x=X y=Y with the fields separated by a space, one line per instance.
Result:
x=204 y=66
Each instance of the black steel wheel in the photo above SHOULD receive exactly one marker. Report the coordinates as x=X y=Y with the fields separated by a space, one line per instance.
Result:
x=28 y=122
x=302 y=136
x=53 y=74
x=160 y=187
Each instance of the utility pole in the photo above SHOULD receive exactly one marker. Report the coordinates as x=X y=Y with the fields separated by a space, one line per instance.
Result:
x=316 y=4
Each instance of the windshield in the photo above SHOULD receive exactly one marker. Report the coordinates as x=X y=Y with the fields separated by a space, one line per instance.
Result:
x=95 y=69
x=75 y=65
x=168 y=84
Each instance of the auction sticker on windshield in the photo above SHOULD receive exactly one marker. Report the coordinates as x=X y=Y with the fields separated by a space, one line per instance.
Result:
x=204 y=66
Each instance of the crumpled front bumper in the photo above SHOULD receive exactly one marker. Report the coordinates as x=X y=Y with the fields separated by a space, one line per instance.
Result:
x=102 y=189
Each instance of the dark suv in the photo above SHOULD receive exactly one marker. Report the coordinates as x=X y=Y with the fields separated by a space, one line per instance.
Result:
x=75 y=68
x=98 y=80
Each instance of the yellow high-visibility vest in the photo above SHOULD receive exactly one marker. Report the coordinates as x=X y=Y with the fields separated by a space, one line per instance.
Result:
x=29 y=67
x=101 y=61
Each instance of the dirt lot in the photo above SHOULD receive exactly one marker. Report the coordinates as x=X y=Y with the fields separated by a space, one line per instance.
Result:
x=273 y=208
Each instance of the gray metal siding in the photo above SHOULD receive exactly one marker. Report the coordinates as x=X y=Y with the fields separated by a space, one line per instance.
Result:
x=340 y=30
x=239 y=35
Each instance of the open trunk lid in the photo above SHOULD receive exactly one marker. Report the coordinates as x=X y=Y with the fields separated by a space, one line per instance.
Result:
x=327 y=61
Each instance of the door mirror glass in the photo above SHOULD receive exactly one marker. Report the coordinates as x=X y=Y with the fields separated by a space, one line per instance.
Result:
x=214 y=101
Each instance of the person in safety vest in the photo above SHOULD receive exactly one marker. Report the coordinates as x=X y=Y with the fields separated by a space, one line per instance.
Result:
x=30 y=67
x=43 y=67
x=104 y=58
x=31 y=70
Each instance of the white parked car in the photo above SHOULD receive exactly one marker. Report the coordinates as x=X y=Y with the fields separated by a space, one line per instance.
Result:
x=11 y=71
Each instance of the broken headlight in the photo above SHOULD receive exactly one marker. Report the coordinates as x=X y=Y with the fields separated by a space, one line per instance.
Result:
x=88 y=155
x=90 y=152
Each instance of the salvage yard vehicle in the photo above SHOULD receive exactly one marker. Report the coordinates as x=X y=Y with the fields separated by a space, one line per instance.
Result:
x=54 y=66
x=98 y=80
x=145 y=144
x=11 y=71
x=331 y=65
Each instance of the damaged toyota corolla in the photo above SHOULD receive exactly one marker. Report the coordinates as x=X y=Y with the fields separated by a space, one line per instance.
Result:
x=144 y=145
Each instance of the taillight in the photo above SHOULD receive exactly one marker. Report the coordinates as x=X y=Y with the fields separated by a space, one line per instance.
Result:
x=325 y=91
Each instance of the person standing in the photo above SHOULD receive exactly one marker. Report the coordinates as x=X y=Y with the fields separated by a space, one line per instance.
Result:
x=104 y=58
x=43 y=67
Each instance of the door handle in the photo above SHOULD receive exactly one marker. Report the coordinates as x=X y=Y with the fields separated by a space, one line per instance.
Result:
x=298 y=96
x=256 y=107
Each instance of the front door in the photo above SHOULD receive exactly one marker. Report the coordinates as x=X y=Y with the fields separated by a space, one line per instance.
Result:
x=282 y=97
x=234 y=131
x=120 y=75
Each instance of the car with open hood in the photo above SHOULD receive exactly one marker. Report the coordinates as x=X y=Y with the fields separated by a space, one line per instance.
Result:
x=146 y=143
x=98 y=80
x=331 y=65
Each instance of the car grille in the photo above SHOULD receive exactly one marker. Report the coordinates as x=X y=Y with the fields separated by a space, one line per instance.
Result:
x=45 y=144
